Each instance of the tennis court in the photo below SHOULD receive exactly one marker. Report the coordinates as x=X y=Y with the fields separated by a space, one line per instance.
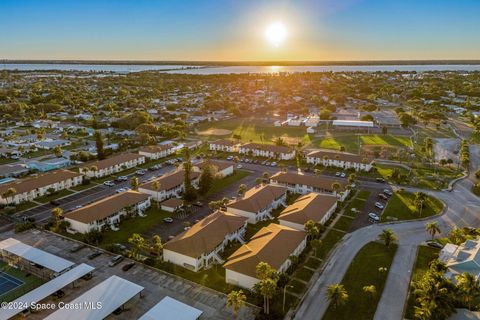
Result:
x=8 y=283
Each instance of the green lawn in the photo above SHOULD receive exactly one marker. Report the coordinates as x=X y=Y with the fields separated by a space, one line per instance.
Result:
x=363 y=271
x=425 y=255
x=401 y=207
x=25 y=205
x=81 y=187
x=56 y=195
x=221 y=184
x=351 y=142
x=332 y=237
x=358 y=203
x=298 y=286
x=29 y=282
x=313 y=263
x=136 y=225
x=343 y=223
x=257 y=131
x=303 y=274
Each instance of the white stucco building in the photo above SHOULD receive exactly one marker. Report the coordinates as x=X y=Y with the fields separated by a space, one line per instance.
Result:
x=114 y=164
x=341 y=160
x=157 y=151
x=223 y=146
x=267 y=151
x=170 y=185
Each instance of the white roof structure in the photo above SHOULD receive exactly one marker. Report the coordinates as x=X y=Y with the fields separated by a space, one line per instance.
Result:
x=169 y=308
x=40 y=257
x=353 y=123
x=45 y=290
x=111 y=294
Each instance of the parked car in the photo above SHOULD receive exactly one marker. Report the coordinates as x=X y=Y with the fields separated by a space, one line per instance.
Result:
x=273 y=164
x=122 y=178
x=167 y=220
x=382 y=196
x=343 y=175
x=59 y=294
x=109 y=183
x=120 y=246
x=387 y=192
x=434 y=244
x=198 y=204
x=239 y=166
x=230 y=158
x=120 y=190
x=379 y=205
x=118 y=311
x=373 y=217
x=128 y=266
x=337 y=174
x=267 y=163
x=380 y=180
x=55 y=202
x=115 y=260
x=93 y=255
x=77 y=247
x=140 y=172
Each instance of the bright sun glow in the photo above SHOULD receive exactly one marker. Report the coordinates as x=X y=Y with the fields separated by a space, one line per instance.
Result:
x=276 y=33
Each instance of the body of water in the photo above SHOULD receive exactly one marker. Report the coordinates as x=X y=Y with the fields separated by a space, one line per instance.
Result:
x=184 y=69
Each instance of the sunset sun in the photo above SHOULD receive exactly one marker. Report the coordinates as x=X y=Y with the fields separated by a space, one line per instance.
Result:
x=276 y=33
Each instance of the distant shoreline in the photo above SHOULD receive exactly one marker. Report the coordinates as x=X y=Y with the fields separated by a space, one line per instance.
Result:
x=248 y=63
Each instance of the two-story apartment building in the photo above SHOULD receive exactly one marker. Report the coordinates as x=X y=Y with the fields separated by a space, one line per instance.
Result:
x=223 y=146
x=312 y=206
x=222 y=168
x=157 y=151
x=258 y=202
x=200 y=246
x=114 y=164
x=267 y=150
x=340 y=160
x=170 y=185
x=306 y=183
x=107 y=211
x=273 y=244
x=36 y=186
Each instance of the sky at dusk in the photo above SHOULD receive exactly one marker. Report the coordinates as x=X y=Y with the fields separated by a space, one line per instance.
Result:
x=234 y=30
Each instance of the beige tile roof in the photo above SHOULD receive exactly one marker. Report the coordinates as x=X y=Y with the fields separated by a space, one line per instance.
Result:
x=320 y=182
x=155 y=148
x=272 y=244
x=205 y=235
x=224 y=142
x=258 y=198
x=312 y=206
x=112 y=161
x=42 y=180
x=267 y=147
x=220 y=165
x=170 y=180
x=107 y=206
x=342 y=156
x=172 y=203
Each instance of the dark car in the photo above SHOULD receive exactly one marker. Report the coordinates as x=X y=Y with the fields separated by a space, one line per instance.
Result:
x=77 y=247
x=118 y=311
x=434 y=244
x=93 y=255
x=128 y=266
x=380 y=180
x=59 y=294
x=55 y=202
x=88 y=276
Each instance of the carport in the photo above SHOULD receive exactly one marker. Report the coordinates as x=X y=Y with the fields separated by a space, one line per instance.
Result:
x=100 y=301
x=169 y=308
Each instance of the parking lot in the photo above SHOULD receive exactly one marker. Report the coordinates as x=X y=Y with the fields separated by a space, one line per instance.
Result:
x=157 y=284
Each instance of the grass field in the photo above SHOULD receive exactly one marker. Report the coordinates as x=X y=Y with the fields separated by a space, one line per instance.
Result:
x=344 y=223
x=30 y=282
x=425 y=255
x=330 y=240
x=259 y=132
x=358 y=203
x=401 y=206
x=225 y=182
x=56 y=195
x=363 y=271
x=351 y=142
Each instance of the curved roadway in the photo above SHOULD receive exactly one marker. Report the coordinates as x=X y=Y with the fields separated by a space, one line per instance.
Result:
x=462 y=209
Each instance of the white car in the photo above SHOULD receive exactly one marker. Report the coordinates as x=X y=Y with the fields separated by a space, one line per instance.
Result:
x=379 y=205
x=374 y=217
x=122 y=178
x=140 y=172
x=109 y=183
x=239 y=166
x=120 y=190
x=343 y=175
x=387 y=192
x=337 y=174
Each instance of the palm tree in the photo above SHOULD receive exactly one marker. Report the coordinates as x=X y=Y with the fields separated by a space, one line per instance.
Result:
x=387 y=236
x=156 y=187
x=311 y=229
x=242 y=189
x=315 y=244
x=370 y=290
x=456 y=235
x=335 y=187
x=138 y=243
x=157 y=245
x=469 y=287
x=337 y=295
x=433 y=228
x=9 y=193
x=57 y=214
x=420 y=198
x=351 y=178
x=236 y=300
x=266 y=288
x=93 y=169
x=134 y=183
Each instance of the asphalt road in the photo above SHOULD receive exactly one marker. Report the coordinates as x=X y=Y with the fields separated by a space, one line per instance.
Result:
x=462 y=209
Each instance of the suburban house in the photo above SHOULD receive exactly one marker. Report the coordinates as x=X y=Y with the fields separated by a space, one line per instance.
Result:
x=340 y=160
x=112 y=165
x=273 y=244
x=157 y=151
x=13 y=170
x=171 y=185
x=306 y=183
x=108 y=211
x=223 y=169
x=312 y=206
x=267 y=150
x=37 y=186
x=49 y=164
x=258 y=202
x=223 y=146
x=172 y=204
x=462 y=258
x=199 y=246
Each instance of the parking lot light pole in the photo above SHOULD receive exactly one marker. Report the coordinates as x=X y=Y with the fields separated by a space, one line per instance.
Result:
x=284 y=293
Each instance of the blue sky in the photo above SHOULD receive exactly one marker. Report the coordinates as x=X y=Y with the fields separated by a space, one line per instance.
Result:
x=234 y=29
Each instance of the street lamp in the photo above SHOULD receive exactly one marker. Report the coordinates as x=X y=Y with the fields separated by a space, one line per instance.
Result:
x=284 y=293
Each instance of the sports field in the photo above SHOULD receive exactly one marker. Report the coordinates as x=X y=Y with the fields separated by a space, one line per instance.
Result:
x=15 y=283
x=352 y=142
